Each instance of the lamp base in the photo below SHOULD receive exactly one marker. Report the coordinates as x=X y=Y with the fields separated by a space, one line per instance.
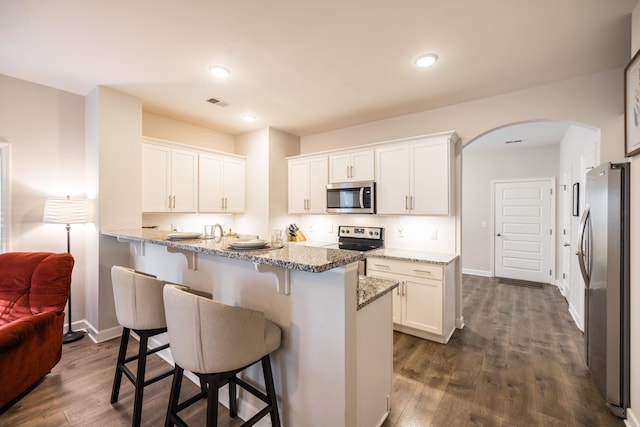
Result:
x=72 y=336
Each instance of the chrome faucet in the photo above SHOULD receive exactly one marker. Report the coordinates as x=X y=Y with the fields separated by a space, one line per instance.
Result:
x=218 y=227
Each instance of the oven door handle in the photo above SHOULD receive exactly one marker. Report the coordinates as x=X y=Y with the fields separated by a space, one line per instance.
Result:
x=361 y=197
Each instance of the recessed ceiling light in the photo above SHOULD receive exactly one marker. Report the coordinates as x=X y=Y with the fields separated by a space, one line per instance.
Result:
x=249 y=118
x=426 y=60
x=219 y=71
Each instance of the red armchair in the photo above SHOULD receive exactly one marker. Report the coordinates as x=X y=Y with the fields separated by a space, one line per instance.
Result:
x=34 y=288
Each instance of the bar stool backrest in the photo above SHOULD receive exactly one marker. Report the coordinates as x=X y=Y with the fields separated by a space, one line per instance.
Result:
x=138 y=299
x=209 y=336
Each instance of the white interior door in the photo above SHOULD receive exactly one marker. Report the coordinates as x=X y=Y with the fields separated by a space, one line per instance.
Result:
x=567 y=212
x=524 y=231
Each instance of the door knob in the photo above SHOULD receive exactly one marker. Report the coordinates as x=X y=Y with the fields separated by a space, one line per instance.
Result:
x=566 y=245
x=498 y=234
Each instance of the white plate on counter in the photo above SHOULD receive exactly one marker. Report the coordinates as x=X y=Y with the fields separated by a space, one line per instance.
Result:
x=247 y=243
x=183 y=236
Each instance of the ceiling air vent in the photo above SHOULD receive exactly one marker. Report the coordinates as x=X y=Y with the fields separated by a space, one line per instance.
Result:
x=218 y=102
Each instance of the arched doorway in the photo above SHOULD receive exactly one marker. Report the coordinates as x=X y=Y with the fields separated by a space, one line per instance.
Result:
x=527 y=152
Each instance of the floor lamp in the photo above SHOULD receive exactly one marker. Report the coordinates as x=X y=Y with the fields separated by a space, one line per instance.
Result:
x=68 y=211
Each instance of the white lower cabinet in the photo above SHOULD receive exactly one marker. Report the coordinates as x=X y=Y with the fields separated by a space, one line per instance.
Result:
x=424 y=303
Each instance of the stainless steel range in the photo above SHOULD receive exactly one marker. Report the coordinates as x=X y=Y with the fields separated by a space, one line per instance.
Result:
x=361 y=239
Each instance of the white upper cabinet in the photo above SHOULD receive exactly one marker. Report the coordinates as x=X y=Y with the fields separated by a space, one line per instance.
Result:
x=156 y=178
x=308 y=178
x=169 y=179
x=352 y=166
x=416 y=177
x=392 y=179
x=221 y=184
x=184 y=176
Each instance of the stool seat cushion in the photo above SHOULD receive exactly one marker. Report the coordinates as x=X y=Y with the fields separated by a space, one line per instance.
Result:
x=208 y=336
x=138 y=299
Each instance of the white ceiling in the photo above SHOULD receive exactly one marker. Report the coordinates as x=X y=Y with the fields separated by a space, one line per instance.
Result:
x=306 y=67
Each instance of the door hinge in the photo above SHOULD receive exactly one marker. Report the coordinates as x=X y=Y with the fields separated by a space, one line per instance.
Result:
x=564 y=231
x=550 y=272
x=564 y=187
x=550 y=232
x=564 y=276
x=551 y=191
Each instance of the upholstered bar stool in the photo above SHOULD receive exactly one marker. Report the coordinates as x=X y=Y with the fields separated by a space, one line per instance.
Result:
x=139 y=308
x=216 y=341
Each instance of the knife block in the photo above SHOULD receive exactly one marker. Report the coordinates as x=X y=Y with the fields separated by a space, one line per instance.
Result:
x=299 y=237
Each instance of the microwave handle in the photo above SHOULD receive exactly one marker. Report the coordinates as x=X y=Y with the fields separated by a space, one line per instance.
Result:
x=361 y=197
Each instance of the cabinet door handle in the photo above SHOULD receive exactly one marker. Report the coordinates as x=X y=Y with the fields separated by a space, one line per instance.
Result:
x=406 y=203
x=424 y=272
x=412 y=204
x=398 y=289
x=404 y=289
x=226 y=203
x=382 y=266
x=169 y=201
x=221 y=202
x=174 y=201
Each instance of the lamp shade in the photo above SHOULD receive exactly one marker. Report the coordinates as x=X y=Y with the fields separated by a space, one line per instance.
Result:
x=67 y=211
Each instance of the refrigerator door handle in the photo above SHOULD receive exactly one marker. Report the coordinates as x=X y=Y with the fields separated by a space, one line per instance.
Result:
x=582 y=255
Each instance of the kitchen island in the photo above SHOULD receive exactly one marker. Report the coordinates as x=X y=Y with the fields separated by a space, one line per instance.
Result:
x=335 y=364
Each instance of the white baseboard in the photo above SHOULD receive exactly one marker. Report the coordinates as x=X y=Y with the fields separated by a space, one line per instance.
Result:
x=460 y=322
x=473 y=272
x=574 y=316
x=632 y=419
x=93 y=333
x=104 y=335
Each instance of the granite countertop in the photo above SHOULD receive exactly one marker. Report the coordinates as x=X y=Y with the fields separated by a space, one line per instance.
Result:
x=293 y=257
x=372 y=288
x=413 y=256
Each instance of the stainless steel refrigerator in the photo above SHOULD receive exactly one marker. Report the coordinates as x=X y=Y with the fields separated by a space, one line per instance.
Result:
x=603 y=256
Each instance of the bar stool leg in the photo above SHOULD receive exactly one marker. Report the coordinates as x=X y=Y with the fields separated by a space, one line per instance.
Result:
x=271 y=391
x=139 y=385
x=233 y=400
x=213 y=382
x=117 y=379
x=174 y=396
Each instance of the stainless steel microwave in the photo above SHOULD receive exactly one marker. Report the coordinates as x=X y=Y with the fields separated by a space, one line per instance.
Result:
x=352 y=197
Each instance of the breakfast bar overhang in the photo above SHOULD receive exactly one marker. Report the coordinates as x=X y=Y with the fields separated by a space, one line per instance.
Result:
x=336 y=360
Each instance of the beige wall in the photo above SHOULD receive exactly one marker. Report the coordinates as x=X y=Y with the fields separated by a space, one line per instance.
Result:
x=113 y=121
x=593 y=100
x=44 y=128
x=155 y=126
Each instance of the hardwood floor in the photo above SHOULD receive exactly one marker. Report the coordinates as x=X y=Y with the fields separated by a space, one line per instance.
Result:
x=518 y=362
